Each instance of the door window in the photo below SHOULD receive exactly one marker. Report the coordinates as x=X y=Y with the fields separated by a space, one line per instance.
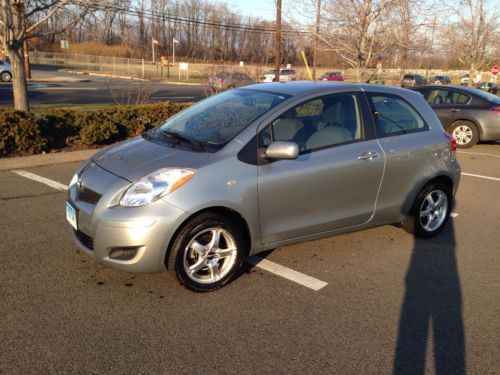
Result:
x=447 y=97
x=395 y=116
x=318 y=123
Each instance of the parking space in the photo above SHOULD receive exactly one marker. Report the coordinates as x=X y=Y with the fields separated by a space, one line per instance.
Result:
x=388 y=303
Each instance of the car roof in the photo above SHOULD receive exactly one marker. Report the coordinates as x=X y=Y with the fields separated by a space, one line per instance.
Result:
x=296 y=88
x=472 y=91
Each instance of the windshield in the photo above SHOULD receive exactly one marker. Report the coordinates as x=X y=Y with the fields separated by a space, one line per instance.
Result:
x=218 y=119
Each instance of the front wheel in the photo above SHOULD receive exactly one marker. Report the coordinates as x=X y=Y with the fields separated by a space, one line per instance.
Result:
x=5 y=76
x=431 y=211
x=207 y=253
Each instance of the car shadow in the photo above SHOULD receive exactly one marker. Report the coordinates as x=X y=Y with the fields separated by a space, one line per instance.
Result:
x=432 y=305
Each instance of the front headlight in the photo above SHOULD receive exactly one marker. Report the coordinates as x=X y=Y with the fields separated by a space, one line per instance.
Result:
x=73 y=181
x=155 y=186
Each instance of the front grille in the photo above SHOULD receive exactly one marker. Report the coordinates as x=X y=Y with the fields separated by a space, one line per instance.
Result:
x=86 y=241
x=88 y=195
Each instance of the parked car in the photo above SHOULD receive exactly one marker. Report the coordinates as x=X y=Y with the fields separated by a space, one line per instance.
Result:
x=254 y=168
x=412 y=80
x=440 y=80
x=5 y=71
x=331 y=76
x=488 y=87
x=228 y=80
x=469 y=114
x=464 y=80
x=286 y=75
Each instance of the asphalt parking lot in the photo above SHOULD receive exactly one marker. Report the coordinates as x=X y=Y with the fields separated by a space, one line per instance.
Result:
x=387 y=304
x=51 y=88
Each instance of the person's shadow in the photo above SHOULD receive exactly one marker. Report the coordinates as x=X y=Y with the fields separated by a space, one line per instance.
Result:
x=432 y=306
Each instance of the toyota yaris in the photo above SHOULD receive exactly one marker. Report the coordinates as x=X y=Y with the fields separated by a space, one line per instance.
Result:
x=259 y=167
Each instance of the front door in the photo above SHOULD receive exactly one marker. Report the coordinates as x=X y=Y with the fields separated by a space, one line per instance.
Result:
x=334 y=182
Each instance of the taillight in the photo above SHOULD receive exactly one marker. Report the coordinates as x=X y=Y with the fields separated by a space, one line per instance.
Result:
x=221 y=80
x=496 y=109
x=453 y=141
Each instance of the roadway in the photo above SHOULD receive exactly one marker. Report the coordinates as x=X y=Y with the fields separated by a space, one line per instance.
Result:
x=53 y=87
x=391 y=304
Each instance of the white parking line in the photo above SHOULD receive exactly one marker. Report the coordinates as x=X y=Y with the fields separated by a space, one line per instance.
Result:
x=43 y=180
x=287 y=273
x=481 y=176
x=171 y=97
x=478 y=153
x=453 y=214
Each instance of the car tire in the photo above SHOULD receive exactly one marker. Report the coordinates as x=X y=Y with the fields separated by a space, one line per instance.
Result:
x=465 y=133
x=207 y=252
x=430 y=212
x=5 y=76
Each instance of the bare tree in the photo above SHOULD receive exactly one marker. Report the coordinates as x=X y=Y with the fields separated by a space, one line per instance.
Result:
x=356 y=27
x=13 y=35
x=470 y=37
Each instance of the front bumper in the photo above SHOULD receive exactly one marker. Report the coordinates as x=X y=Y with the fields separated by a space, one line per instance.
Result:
x=132 y=239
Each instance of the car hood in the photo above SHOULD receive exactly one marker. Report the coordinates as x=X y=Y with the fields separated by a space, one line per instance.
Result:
x=138 y=157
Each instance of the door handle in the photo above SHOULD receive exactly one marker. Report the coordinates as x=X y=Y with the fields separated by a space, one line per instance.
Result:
x=368 y=155
x=455 y=110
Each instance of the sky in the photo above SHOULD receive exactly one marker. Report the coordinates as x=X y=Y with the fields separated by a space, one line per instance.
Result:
x=265 y=9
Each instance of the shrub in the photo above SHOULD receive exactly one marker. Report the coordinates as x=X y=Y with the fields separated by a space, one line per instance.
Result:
x=22 y=133
x=19 y=133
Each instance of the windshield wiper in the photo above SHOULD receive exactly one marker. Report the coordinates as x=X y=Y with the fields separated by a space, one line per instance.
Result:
x=195 y=145
x=391 y=121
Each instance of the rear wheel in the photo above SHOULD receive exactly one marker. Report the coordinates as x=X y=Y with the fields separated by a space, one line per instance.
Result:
x=5 y=76
x=431 y=211
x=207 y=253
x=465 y=133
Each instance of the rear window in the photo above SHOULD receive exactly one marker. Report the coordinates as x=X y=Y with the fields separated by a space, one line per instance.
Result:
x=487 y=96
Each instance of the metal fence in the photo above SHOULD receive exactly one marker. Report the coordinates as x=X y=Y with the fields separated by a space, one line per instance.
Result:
x=140 y=68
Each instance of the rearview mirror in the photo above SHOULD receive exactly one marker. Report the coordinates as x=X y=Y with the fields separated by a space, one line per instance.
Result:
x=283 y=150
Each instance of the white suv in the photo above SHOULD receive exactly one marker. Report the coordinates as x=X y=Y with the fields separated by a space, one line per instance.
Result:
x=285 y=75
x=5 y=71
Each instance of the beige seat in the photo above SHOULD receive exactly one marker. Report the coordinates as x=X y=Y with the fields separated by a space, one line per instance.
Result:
x=285 y=129
x=327 y=137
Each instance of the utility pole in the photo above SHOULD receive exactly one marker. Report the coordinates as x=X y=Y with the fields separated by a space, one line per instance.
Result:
x=316 y=38
x=278 y=42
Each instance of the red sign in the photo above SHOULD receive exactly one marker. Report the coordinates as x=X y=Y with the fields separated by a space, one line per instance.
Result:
x=495 y=70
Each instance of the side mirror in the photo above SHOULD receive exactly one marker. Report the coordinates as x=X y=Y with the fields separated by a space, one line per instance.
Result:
x=282 y=150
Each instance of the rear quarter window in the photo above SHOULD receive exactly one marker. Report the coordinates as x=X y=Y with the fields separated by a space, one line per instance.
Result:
x=393 y=115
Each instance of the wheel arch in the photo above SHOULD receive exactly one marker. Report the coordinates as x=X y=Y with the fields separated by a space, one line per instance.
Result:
x=412 y=198
x=227 y=212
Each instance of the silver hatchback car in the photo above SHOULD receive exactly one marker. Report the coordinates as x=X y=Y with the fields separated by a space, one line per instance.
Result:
x=259 y=167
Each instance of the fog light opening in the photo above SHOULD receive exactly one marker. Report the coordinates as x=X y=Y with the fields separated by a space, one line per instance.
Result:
x=123 y=253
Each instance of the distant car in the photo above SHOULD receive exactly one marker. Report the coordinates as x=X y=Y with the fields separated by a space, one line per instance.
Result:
x=440 y=80
x=285 y=75
x=331 y=76
x=412 y=80
x=468 y=114
x=488 y=87
x=5 y=71
x=464 y=79
x=228 y=80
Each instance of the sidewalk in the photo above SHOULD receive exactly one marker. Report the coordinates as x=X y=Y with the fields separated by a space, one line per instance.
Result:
x=54 y=76
x=7 y=164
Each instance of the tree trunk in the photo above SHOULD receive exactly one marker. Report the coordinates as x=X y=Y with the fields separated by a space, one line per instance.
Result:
x=19 y=85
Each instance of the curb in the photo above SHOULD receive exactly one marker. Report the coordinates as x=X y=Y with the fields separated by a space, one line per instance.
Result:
x=127 y=77
x=8 y=164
